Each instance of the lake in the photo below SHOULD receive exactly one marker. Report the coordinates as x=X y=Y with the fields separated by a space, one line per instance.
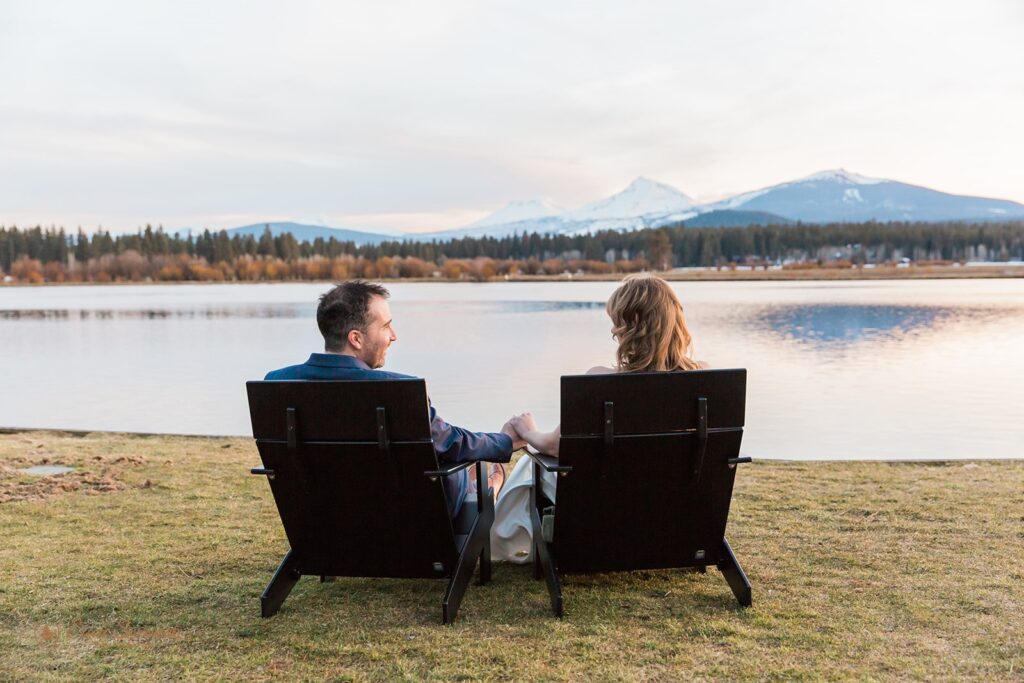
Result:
x=836 y=370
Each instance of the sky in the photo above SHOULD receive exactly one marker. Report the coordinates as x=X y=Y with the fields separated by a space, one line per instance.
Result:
x=414 y=116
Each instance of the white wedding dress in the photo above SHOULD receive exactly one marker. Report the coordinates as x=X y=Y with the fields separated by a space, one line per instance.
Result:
x=512 y=533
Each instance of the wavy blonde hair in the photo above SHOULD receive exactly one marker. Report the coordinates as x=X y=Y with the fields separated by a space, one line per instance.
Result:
x=648 y=322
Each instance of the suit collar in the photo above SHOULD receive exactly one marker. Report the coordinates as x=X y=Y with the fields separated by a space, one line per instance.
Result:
x=336 y=360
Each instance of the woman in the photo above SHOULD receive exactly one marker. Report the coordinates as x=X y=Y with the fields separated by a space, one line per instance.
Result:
x=650 y=328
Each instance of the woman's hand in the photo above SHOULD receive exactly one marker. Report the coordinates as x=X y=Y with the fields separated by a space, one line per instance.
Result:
x=526 y=429
x=523 y=424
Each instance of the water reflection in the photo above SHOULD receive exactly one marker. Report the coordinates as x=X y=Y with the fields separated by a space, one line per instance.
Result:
x=289 y=311
x=506 y=307
x=836 y=325
x=277 y=311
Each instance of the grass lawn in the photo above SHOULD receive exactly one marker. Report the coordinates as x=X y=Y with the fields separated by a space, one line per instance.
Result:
x=148 y=560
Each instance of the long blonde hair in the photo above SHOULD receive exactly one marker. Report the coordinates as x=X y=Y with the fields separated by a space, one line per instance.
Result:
x=648 y=322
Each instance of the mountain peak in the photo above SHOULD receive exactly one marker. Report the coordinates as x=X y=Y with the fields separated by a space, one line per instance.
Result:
x=648 y=185
x=643 y=181
x=841 y=175
x=642 y=197
x=520 y=210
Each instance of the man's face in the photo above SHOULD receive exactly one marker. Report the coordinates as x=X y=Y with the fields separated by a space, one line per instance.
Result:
x=378 y=335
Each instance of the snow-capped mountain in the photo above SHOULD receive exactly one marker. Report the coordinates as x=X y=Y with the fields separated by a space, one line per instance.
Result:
x=824 y=197
x=643 y=204
x=643 y=197
x=838 y=195
x=520 y=216
x=519 y=211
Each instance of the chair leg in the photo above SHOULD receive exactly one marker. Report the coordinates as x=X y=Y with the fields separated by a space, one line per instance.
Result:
x=536 y=527
x=485 y=565
x=479 y=535
x=543 y=559
x=734 y=575
x=285 y=578
x=485 y=553
x=457 y=587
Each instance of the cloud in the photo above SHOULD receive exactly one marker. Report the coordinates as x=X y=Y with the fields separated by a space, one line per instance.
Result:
x=415 y=113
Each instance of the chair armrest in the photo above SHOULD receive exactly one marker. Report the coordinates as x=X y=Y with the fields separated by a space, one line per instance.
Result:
x=450 y=470
x=549 y=463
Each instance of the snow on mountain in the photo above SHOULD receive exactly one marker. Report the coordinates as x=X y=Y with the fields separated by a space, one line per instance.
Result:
x=644 y=203
x=841 y=175
x=643 y=197
x=839 y=195
x=519 y=211
x=838 y=176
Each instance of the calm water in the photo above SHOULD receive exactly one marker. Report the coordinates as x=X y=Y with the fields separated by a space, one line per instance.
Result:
x=901 y=369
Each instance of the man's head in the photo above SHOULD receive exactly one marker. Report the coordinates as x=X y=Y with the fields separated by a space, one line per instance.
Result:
x=355 y=319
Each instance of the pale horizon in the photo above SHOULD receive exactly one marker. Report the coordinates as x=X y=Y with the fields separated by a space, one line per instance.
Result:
x=410 y=118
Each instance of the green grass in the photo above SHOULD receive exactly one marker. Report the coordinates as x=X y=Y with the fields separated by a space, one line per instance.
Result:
x=148 y=563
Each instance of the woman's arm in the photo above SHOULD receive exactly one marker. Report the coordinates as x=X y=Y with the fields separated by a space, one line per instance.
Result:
x=545 y=442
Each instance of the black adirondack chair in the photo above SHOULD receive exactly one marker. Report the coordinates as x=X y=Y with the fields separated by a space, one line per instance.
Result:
x=359 y=489
x=645 y=468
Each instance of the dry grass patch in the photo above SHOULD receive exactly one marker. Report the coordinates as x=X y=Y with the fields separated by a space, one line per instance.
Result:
x=92 y=473
x=860 y=570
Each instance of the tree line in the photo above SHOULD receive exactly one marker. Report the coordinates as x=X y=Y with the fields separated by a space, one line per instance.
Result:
x=52 y=255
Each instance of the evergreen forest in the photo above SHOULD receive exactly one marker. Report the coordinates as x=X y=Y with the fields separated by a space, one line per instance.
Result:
x=38 y=254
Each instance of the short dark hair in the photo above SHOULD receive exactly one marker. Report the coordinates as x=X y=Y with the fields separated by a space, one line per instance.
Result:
x=343 y=309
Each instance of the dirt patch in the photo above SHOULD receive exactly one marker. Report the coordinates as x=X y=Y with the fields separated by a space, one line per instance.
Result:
x=91 y=477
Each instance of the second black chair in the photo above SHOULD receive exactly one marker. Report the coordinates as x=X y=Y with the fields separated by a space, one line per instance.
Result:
x=646 y=466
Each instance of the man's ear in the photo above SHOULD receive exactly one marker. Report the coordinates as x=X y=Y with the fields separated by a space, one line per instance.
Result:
x=355 y=339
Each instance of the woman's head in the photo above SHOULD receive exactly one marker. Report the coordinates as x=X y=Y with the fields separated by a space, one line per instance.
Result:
x=648 y=322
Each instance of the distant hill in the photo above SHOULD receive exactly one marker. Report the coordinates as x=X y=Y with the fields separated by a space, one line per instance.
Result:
x=308 y=233
x=730 y=218
x=841 y=196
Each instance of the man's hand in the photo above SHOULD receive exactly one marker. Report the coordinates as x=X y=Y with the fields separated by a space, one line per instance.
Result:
x=517 y=440
x=524 y=424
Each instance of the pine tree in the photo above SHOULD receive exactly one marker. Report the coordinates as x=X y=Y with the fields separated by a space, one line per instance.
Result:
x=266 y=246
x=83 y=248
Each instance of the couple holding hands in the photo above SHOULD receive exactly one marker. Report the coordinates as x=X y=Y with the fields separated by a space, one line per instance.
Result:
x=355 y=321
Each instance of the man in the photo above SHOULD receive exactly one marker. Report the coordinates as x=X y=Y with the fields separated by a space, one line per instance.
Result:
x=355 y=321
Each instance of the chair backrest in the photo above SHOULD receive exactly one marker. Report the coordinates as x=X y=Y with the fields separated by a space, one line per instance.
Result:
x=349 y=459
x=650 y=484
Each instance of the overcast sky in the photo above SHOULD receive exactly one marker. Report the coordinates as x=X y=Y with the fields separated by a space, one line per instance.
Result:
x=428 y=115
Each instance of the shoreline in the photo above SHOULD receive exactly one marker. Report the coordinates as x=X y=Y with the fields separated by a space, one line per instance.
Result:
x=104 y=433
x=931 y=272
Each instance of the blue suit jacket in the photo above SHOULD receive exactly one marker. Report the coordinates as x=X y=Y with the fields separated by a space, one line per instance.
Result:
x=452 y=444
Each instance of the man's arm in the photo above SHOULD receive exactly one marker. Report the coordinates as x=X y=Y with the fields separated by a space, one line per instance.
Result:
x=455 y=444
